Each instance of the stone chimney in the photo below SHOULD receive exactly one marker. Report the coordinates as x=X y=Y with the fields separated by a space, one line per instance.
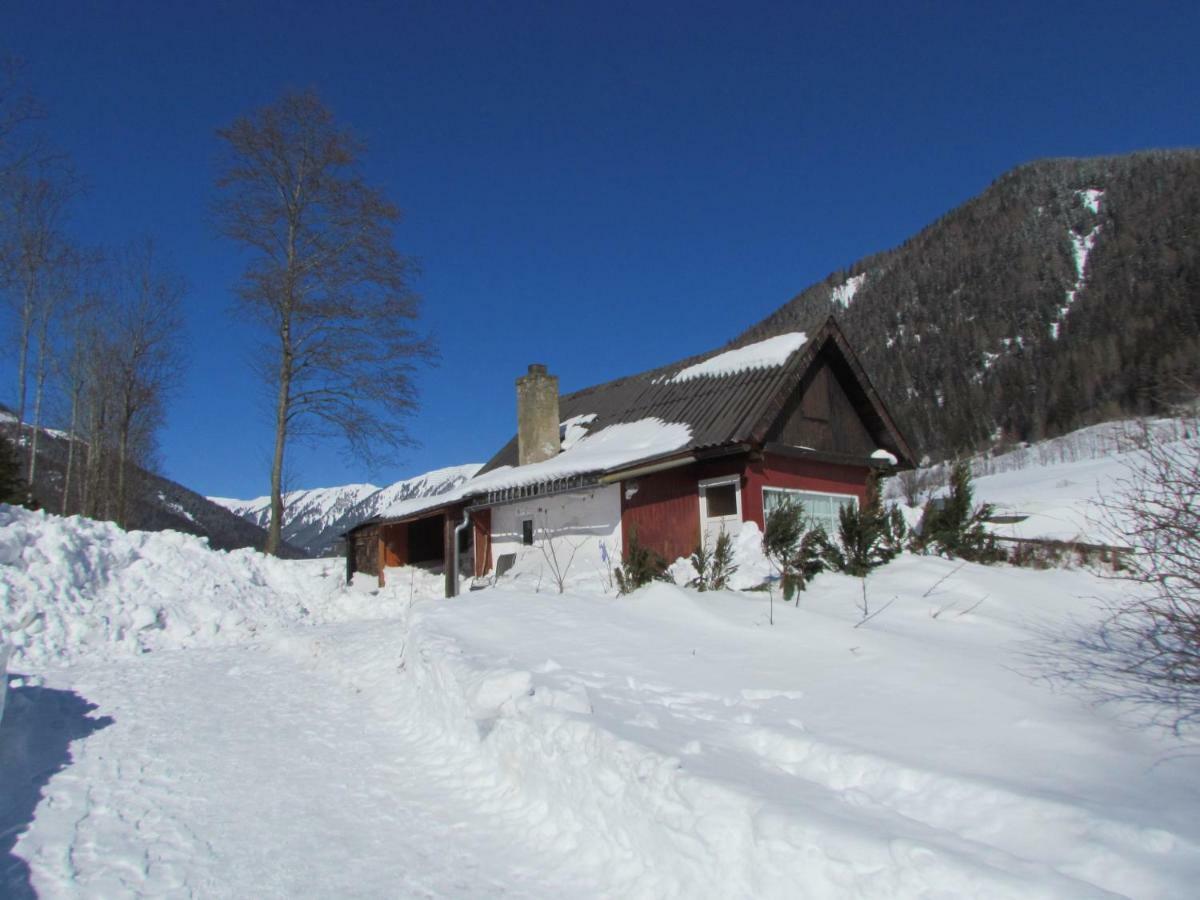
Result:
x=537 y=415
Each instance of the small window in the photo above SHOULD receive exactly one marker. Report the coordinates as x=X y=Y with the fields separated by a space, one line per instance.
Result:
x=527 y=532
x=721 y=500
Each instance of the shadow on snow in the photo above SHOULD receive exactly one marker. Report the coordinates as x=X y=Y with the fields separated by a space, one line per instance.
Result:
x=35 y=744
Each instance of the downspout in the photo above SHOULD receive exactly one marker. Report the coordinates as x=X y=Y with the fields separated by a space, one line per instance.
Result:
x=457 y=531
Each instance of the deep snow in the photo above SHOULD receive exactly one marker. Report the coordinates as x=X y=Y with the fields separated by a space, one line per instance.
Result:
x=193 y=723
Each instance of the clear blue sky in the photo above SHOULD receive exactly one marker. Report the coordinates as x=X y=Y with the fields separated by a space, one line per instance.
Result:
x=602 y=187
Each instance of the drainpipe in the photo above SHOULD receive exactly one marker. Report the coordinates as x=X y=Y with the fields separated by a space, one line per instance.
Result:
x=457 y=531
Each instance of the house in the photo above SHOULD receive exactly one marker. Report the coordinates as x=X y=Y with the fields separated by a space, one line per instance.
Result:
x=675 y=455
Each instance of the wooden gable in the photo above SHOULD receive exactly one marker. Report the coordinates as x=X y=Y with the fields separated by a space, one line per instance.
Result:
x=820 y=415
x=832 y=408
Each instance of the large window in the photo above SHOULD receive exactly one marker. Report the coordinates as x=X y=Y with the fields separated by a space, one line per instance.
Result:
x=819 y=509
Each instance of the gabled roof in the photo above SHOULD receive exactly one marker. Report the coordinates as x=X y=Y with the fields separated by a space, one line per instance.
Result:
x=726 y=400
x=732 y=405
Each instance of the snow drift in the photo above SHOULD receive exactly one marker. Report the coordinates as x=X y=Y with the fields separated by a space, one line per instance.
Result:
x=71 y=587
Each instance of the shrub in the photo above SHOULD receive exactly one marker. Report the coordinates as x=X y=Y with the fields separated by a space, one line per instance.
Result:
x=955 y=527
x=641 y=566
x=713 y=567
x=800 y=554
x=869 y=536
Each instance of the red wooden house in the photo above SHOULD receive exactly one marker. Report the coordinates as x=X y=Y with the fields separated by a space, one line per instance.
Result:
x=677 y=454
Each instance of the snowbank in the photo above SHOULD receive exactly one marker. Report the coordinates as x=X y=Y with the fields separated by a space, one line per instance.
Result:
x=71 y=587
x=677 y=745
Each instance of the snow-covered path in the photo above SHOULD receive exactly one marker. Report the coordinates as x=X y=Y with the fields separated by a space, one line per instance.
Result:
x=247 y=771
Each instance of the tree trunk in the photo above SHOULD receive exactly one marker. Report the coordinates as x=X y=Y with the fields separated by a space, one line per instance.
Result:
x=38 y=390
x=23 y=356
x=281 y=410
x=122 y=453
x=66 y=494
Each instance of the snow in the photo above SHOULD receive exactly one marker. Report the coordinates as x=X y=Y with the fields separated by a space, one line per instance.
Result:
x=767 y=354
x=886 y=455
x=1081 y=248
x=315 y=518
x=599 y=451
x=573 y=429
x=515 y=742
x=1060 y=485
x=74 y=587
x=1091 y=198
x=844 y=293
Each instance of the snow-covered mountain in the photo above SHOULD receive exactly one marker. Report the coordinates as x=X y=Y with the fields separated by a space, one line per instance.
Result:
x=313 y=519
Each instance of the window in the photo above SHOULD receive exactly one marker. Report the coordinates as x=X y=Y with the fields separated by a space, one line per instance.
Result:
x=722 y=500
x=527 y=532
x=719 y=498
x=819 y=509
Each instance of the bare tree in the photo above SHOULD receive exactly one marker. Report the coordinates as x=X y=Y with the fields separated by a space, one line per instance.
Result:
x=18 y=107
x=325 y=282
x=35 y=199
x=146 y=355
x=1156 y=511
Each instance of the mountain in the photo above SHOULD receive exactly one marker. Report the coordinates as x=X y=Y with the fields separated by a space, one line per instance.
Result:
x=314 y=519
x=155 y=503
x=1066 y=293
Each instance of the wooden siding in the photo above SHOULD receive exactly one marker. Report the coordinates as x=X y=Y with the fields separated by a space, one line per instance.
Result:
x=665 y=510
x=772 y=470
x=364 y=545
x=393 y=542
x=482 y=523
x=820 y=414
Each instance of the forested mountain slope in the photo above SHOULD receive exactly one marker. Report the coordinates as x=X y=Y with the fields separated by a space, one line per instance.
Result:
x=1066 y=293
x=155 y=503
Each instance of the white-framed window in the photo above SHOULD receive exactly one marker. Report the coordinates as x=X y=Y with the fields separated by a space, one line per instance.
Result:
x=721 y=499
x=819 y=508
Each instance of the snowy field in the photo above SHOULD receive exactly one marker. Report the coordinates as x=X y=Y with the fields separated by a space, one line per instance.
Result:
x=188 y=723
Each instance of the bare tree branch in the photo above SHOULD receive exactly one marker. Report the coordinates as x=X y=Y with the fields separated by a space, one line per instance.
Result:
x=325 y=281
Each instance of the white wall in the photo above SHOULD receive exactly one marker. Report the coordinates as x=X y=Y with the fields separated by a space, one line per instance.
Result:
x=578 y=522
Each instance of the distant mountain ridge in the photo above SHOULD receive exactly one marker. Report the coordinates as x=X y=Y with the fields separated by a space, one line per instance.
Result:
x=1066 y=293
x=314 y=519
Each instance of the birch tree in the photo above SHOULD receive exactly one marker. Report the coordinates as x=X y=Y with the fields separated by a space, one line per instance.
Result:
x=324 y=284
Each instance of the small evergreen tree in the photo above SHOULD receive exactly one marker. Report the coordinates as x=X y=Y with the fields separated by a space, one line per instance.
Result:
x=641 y=566
x=869 y=536
x=714 y=567
x=954 y=527
x=800 y=554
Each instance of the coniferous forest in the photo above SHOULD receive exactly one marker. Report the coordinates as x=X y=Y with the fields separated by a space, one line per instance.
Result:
x=982 y=328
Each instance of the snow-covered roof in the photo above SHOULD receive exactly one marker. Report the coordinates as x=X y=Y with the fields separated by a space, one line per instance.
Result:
x=772 y=352
x=601 y=451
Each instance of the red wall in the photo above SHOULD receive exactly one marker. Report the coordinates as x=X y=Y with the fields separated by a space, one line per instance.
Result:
x=801 y=474
x=664 y=512
x=666 y=508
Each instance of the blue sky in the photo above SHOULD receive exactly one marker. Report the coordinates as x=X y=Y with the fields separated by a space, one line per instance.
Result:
x=602 y=187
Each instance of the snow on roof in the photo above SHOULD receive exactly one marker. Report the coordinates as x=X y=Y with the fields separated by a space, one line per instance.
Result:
x=602 y=451
x=767 y=354
x=575 y=428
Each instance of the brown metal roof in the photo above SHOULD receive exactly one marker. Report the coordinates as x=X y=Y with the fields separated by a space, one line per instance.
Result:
x=721 y=410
